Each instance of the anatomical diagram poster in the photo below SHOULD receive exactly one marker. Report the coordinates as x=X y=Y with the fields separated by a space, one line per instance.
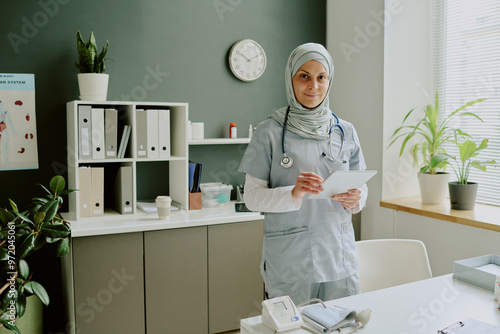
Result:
x=18 y=139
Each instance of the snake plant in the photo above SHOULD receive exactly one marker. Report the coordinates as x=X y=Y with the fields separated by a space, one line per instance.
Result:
x=89 y=60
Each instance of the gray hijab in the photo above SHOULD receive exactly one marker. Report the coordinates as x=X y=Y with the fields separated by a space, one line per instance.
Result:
x=309 y=123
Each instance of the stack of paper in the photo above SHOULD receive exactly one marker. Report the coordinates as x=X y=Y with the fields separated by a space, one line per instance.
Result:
x=150 y=207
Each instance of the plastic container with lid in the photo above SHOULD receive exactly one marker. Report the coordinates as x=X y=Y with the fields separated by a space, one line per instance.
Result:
x=215 y=194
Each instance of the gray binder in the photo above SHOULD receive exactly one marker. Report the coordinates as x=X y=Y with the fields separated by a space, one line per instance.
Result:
x=97 y=191
x=123 y=201
x=84 y=132
x=141 y=120
x=111 y=133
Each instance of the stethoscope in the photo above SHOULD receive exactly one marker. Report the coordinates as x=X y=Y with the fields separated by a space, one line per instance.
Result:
x=287 y=162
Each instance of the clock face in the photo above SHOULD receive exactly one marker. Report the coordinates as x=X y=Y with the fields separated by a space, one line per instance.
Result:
x=247 y=60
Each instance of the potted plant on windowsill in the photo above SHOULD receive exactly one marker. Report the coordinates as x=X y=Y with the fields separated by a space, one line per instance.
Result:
x=21 y=234
x=92 y=81
x=462 y=192
x=429 y=154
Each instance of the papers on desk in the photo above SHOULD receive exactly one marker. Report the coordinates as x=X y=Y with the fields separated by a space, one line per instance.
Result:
x=470 y=326
x=328 y=319
x=150 y=207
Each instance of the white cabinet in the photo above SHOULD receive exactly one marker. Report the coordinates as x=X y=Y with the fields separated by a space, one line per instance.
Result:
x=173 y=182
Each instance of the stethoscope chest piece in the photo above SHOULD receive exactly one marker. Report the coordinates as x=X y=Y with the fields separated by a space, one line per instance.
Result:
x=286 y=162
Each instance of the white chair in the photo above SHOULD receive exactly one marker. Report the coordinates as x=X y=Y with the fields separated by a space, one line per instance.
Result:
x=387 y=262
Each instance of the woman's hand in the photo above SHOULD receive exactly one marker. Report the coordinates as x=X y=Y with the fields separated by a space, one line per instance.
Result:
x=307 y=183
x=349 y=199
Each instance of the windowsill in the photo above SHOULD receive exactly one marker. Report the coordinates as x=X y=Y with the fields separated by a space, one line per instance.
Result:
x=483 y=216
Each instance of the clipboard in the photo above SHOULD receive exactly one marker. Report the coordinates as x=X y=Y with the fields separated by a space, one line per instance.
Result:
x=470 y=326
x=341 y=181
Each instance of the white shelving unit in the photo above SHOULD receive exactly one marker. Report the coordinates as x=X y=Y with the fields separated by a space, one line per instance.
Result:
x=219 y=141
x=177 y=163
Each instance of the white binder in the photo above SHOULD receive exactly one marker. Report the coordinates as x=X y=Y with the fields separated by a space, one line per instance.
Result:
x=111 y=133
x=98 y=133
x=152 y=134
x=164 y=132
x=141 y=121
x=84 y=132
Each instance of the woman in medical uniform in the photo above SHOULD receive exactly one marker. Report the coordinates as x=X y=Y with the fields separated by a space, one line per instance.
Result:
x=309 y=250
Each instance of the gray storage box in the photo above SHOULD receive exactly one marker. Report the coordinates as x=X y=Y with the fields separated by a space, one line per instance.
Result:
x=480 y=271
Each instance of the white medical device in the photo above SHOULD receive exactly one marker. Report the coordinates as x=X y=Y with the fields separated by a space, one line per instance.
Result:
x=280 y=314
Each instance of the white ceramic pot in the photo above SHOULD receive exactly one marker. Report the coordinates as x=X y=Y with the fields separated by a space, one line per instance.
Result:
x=93 y=86
x=433 y=187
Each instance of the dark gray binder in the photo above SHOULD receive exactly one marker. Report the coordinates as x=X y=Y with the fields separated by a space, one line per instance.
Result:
x=123 y=201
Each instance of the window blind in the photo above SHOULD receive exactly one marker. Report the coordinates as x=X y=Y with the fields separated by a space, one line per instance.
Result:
x=466 y=56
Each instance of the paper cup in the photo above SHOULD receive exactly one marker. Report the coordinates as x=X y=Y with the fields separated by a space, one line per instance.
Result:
x=163 y=206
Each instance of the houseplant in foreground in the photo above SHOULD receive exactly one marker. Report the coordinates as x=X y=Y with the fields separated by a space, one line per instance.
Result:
x=92 y=81
x=21 y=234
x=433 y=130
x=462 y=192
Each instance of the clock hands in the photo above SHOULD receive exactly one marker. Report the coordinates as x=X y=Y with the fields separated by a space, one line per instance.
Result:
x=254 y=57
x=249 y=59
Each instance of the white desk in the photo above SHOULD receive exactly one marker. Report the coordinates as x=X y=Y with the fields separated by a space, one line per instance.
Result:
x=419 y=307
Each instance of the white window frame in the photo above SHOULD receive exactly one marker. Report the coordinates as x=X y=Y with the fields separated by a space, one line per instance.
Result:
x=466 y=57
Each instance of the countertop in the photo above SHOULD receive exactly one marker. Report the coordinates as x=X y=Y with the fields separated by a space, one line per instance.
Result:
x=140 y=222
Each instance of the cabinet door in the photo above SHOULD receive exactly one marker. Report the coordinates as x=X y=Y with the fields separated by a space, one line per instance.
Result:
x=109 y=283
x=176 y=281
x=236 y=288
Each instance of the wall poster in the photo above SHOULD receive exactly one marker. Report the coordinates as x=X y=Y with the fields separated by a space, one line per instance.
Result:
x=18 y=139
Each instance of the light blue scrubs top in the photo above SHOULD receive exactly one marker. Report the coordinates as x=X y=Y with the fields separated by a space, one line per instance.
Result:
x=315 y=243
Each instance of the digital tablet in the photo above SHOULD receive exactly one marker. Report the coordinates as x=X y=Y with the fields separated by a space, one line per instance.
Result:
x=341 y=181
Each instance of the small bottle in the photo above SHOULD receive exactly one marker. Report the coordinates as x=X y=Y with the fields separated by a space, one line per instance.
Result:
x=497 y=289
x=250 y=131
x=232 y=130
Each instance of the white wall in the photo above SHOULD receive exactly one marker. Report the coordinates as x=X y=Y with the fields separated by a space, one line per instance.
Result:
x=407 y=64
x=377 y=66
x=355 y=38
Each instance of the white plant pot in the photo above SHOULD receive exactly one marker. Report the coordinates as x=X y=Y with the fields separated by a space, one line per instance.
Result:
x=93 y=86
x=433 y=187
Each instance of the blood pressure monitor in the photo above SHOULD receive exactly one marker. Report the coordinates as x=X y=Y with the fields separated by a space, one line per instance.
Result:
x=280 y=314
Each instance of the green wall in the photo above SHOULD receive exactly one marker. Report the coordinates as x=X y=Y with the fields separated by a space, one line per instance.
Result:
x=185 y=43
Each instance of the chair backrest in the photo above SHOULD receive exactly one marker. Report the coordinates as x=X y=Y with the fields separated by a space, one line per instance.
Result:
x=388 y=262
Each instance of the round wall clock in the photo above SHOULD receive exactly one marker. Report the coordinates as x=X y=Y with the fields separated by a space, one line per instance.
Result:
x=247 y=60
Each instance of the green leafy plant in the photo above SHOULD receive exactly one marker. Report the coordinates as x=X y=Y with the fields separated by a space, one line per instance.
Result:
x=468 y=151
x=434 y=130
x=89 y=60
x=21 y=234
